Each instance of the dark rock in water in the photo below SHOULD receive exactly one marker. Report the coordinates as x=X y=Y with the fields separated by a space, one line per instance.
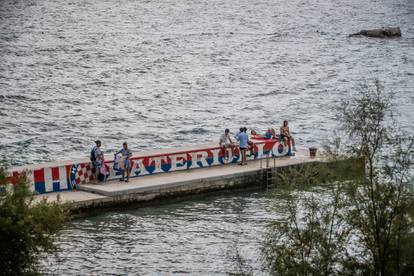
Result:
x=381 y=33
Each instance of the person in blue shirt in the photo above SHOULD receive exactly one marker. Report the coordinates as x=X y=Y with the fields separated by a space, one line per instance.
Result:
x=270 y=134
x=243 y=139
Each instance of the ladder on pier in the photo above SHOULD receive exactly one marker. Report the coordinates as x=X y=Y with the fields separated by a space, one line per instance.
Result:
x=270 y=172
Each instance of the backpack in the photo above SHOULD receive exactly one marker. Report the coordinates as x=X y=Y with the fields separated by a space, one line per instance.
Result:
x=93 y=157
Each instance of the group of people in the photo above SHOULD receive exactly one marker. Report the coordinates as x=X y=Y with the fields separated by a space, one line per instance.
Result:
x=122 y=157
x=123 y=161
x=242 y=137
x=226 y=142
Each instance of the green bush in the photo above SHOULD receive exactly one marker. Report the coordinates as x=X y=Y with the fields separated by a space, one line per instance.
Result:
x=363 y=226
x=27 y=228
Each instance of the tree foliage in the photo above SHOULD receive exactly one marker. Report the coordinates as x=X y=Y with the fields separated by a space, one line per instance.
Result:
x=380 y=204
x=312 y=236
x=364 y=226
x=27 y=228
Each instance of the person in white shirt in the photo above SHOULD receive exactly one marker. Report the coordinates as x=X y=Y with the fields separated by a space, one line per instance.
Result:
x=126 y=154
x=225 y=143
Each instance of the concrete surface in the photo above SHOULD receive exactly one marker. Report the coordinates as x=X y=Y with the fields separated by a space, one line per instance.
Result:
x=75 y=198
x=194 y=181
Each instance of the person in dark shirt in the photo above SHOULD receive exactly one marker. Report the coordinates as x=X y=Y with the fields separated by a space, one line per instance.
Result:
x=97 y=158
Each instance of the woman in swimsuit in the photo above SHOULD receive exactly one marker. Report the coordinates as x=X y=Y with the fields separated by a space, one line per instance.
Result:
x=285 y=134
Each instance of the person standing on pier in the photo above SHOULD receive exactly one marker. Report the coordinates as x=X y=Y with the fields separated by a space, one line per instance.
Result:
x=243 y=139
x=97 y=158
x=225 y=143
x=126 y=154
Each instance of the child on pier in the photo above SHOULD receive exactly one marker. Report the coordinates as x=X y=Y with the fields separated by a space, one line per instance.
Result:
x=125 y=163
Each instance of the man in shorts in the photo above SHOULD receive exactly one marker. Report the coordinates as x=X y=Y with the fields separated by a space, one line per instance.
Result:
x=243 y=144
x=126 y=154
x=225 y=143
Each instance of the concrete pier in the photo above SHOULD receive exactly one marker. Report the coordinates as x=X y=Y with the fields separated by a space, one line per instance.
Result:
x=172 y=184
x=63 y=176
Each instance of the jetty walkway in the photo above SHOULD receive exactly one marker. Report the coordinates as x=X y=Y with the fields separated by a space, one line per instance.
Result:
x=174 y=184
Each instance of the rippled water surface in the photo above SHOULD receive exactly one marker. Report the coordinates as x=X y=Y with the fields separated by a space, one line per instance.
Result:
x=198 y=237
x=166 y=73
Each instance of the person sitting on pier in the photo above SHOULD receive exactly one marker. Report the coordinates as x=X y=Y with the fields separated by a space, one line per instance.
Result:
x=250 y=144
x=97 y=159
x=225 y=143
x=269 y=134
x=243 y=139
x=285 y=134
x=125 y=163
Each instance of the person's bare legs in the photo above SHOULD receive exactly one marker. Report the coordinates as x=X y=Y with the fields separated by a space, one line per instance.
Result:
x=128 y=172
x=224 y=152
x=293 y=143
x=95 y=180
x=243 y=157
x=290 y=142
